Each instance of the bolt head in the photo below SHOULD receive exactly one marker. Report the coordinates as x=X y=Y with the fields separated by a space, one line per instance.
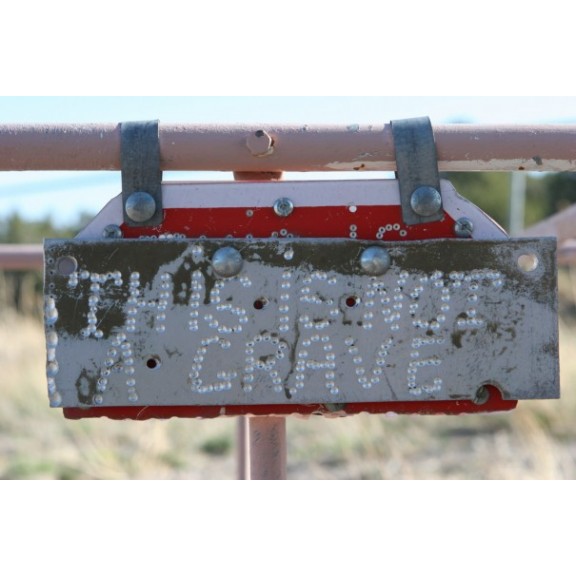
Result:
x=283 y=207
x=260 y=143
x=112 y=231
x=227 y=262
x=426 y=201
x=463 y=228
x=140 y=206
x=375 y=260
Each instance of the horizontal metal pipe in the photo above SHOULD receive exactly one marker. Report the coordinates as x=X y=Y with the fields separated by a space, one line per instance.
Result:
x=21 y=256
x=300 y=148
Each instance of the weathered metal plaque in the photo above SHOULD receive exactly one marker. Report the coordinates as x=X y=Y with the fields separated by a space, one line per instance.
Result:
x=179 y=322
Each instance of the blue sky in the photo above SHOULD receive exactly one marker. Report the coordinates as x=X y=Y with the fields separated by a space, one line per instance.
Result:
x=63 y=195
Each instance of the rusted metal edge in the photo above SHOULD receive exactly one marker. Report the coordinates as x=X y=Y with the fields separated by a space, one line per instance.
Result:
x=299 y=148
x=30 y=256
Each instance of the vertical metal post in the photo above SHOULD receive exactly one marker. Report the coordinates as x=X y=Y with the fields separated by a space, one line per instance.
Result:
x=267 y=438
x=242 y=449
x=260 y=440
x=517 y=202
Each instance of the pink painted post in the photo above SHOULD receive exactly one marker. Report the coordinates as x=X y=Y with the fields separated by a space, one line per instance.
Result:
x=242 y=449
x=267 y=437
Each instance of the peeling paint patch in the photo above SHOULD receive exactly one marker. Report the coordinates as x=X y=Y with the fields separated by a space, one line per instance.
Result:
x=535 y=164
x=362 y=157
x=369 y=165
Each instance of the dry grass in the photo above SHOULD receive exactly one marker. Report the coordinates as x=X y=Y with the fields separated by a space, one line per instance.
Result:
x=538 y=440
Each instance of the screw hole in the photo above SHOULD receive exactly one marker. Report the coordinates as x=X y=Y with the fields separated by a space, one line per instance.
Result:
x=528 y=262
x=352 y=301
x=153 y=362
x=482 y=395
x=260 y=303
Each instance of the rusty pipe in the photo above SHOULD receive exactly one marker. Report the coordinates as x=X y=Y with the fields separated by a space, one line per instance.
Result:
x=300 y=148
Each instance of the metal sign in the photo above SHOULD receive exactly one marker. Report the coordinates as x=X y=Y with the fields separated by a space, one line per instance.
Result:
x=227 y=307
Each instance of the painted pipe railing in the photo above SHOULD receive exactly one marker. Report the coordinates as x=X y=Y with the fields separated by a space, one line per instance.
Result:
x=299 y=148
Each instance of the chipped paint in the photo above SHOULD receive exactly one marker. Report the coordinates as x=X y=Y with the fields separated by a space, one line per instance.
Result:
x=467 y=164
x=368 y=165
x=535 y=164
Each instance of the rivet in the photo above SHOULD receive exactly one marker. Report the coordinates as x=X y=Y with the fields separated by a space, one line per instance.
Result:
x=283 y=207
x=426 y=201
x=140 y=206
x=527 y=262
x=463 y=227
x=227 y=262
x=112 y=231
x=375 y=260
x=66 y=265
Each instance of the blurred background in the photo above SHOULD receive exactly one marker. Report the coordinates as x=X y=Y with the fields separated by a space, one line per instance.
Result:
x=537 y=440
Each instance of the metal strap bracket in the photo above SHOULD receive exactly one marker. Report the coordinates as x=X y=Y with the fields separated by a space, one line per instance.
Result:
x=141 y=174
x=417 y=171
